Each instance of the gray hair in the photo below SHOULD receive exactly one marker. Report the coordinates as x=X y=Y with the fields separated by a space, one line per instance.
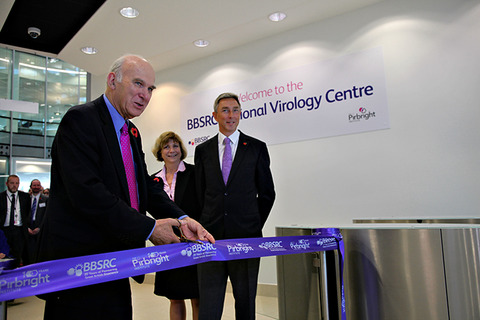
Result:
x=225 y=95
x=117 y=65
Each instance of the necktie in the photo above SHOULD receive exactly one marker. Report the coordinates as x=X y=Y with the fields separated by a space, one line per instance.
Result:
x=34 y=208
x=12 y=211
x=227 y=160
x=129 y=166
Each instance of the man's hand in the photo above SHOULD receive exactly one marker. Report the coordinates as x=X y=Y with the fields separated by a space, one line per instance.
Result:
x=163 y=231
x=194 y=230
x=34 y=231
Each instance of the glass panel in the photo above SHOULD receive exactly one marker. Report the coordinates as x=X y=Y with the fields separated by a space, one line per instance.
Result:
x=54 y=84
x=29 y=85
x=3 y=170
x=5 y=76
x=66 y=87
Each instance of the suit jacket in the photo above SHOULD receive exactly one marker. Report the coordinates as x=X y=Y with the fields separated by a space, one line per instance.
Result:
x=23 y=200
x=89 y=205
x=39 y=212
x=240 y=208
x=185 y=191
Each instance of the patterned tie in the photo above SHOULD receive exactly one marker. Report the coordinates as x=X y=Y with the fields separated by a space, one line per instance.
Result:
x=34 y=208
x=227 y=160
x=129 y=166
x=12 y=211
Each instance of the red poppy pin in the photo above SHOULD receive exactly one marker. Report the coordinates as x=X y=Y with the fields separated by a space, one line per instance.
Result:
x=244 y=143
x=156 y=179
x=134 y=132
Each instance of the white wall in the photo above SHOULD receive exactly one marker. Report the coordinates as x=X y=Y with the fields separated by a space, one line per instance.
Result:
x=426 y=165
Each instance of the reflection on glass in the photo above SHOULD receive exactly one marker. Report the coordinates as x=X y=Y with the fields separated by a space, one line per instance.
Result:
x=5 y=76
x=54 y=84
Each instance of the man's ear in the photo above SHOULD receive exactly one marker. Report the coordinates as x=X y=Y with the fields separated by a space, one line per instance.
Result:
x=111 y=80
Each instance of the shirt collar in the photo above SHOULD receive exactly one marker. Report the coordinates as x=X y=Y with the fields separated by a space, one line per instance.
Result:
x=233 y=137
x=117 y=119
x=181 y=168
x=10 y=194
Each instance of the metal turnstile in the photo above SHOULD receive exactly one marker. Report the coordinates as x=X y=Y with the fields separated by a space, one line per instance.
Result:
x=309 y=283
x=402 y=271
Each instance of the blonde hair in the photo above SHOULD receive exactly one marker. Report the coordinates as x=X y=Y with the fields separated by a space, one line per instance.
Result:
x=163 y=140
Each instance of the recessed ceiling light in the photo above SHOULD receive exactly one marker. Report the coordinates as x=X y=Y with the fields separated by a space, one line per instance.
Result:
x=129 y=12
x=201 y=43
x=89 y=50
x=277 y=16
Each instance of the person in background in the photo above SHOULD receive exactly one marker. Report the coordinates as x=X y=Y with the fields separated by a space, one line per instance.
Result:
x=236 y=193
x=35 y=219
x=14 y=212
x=46 y=191
x=4 y=247
x=178 y=180
x=101 y=190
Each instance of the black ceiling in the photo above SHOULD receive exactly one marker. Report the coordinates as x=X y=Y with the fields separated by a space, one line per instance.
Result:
x=58 y=20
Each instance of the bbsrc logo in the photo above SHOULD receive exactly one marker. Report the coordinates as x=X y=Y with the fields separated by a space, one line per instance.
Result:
x=201 y=249
x=272 y=246
x=362 y=115
x=85 y=267
x=198 y=140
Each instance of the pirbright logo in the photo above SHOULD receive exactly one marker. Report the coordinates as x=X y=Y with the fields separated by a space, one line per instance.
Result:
x=362 y=114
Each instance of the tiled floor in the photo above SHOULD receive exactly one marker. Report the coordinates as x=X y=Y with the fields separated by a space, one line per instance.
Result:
x=147 y=306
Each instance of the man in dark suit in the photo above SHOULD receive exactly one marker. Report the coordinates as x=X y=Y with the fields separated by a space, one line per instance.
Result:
x=14 y=212
x=35 y=219
x=235 y=204
x=99 y=198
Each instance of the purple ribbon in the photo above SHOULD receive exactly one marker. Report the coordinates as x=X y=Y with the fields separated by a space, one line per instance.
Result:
x=76 y=272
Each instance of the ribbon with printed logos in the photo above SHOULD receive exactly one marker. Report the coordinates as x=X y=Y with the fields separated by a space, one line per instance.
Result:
x=76 y=272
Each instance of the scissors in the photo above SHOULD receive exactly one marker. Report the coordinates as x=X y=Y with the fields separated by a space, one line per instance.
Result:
x=182 y=236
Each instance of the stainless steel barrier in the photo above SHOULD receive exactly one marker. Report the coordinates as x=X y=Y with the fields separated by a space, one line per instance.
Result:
x=308 y=284
x=392 y=271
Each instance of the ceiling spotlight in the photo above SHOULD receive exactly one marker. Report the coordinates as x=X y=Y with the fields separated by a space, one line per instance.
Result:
x=34 y=32
x=129 y=12
x=89 y=50
x=277 y=16
x=201 y=43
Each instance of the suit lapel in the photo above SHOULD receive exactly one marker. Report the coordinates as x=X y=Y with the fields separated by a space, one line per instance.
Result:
x=239 y=155
x=213 y=151
x=136 y=144
x=113 y=146
x=181 y=184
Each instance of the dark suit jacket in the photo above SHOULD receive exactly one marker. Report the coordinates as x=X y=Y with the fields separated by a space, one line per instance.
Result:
x=89 y=205
x=181 y=283
x=39 y=213
x=239 y=209
x=23 y=200
x=185 y=191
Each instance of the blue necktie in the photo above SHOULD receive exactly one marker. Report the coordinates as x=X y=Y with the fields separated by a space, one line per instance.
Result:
x=34 y=208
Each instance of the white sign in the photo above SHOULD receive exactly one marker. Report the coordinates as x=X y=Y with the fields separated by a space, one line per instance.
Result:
x=341 y=96
x=18 y=106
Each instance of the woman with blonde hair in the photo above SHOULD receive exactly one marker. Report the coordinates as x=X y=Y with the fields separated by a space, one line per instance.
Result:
x=178 y=180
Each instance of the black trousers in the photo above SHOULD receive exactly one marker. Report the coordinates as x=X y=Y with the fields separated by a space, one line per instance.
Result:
x=16 y=240
x=212 y=279
x=106 y=301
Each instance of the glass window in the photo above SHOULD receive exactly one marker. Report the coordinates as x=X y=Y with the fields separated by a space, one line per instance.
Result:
x=66 y=87
x=54 y=84
x=5 y=76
